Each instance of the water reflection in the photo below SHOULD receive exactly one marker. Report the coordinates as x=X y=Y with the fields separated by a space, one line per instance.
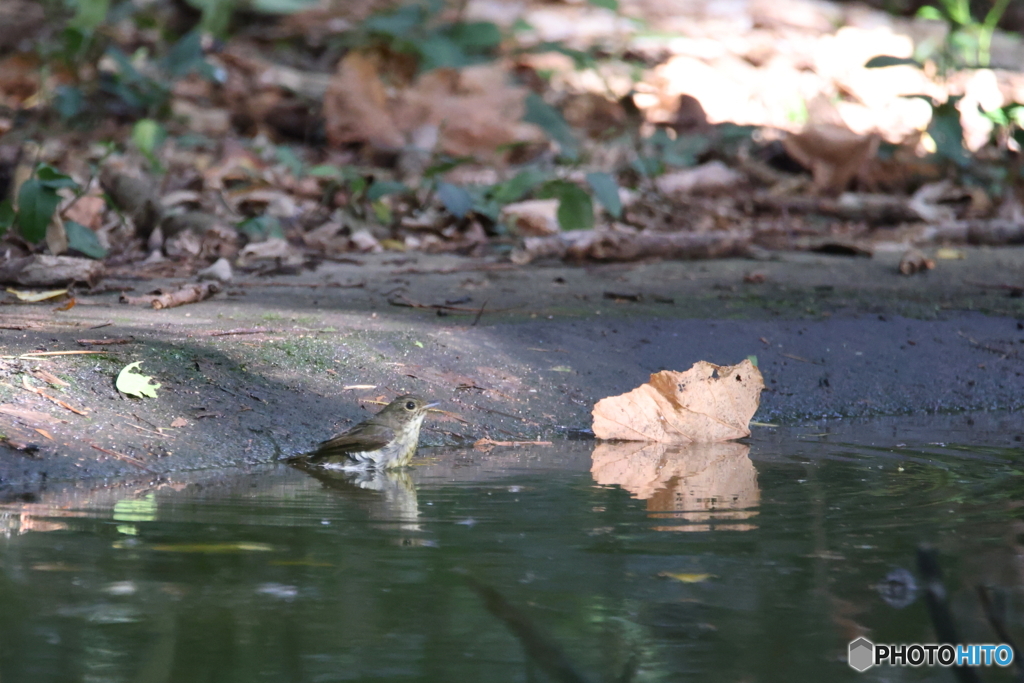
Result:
x=277 y=575
x=388 y=495
x=707 y=486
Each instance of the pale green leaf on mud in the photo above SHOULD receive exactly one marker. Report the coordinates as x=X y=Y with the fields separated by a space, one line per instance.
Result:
x=132 y=383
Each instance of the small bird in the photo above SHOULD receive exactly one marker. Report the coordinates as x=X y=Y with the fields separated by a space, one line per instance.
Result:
x=386 y=440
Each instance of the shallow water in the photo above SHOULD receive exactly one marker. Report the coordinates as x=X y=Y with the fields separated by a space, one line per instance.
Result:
x=732 y=563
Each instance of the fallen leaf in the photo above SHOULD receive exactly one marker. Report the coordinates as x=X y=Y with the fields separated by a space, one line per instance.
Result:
x=132 y=383
x=532 y=217
x=686 y=578
x=833 y=153
x=33 y=297
x=67 y=305
x=949 y=254
x=179 y=422
x=231 y=547
x=704 y=404
x=87 y=211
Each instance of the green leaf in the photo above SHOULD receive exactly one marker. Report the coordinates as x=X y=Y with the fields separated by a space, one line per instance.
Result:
x=382 y=188
x=288 y=157
x=929 y=12
x=607 y=192
x=440 y=52
x=456 y=200
x=882 y=61
x=550 y=120
x=89 y=14
x=476 y=36
x=186 y=56
x=512 y=190
x=36 y=204
x=382 y=212
x=132 y=383
x=445 y=164
x=261 y=228
x=53 y=179
x=216 y=14
x=575 y=209
x=6 y=215
x=682 y=152
x=84 y=240
x=613 y=5
x=283 y=6
x=68 y=102
x=357 y=186
x=325 y=171
x=948 y=133
x=1016 y=113
x=148 y=135
x=396 y=24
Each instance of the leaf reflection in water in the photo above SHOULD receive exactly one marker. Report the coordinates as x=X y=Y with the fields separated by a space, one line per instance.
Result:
x=706 y=486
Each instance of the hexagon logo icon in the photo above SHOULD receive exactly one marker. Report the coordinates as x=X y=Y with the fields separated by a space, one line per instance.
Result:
x=862 y=654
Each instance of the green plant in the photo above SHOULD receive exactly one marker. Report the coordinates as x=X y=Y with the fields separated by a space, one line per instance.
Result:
x=1009 y=125
x=415 y=29
x=37 y=201
x=660 y=151
x=969 y=42
x=144 y=85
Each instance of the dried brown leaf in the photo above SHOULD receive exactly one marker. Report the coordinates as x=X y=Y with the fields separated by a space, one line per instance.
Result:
x=706 y=403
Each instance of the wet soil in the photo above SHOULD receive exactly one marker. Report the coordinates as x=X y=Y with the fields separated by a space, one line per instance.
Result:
x=273 y=365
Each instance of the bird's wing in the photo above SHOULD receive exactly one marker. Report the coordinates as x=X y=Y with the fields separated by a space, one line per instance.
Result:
x=361 y=438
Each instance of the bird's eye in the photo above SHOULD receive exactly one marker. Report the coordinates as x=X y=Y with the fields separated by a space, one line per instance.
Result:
x=410 y=405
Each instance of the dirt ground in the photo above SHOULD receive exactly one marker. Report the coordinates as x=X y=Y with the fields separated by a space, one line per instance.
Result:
x=272 y=366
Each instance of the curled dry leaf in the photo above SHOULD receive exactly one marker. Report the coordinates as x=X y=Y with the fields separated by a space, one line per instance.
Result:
x=704 y=404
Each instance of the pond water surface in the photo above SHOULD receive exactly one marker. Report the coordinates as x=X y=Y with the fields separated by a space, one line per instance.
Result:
x=742 y=562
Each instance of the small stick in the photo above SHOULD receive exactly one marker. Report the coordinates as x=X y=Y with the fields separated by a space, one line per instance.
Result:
x=38 y=354
x=121 y=456
x=45 y=395
x=480 y=313
x=186 y=295
x=488 y=443
x=802 y=360
x=311 y=285
x=143 y=429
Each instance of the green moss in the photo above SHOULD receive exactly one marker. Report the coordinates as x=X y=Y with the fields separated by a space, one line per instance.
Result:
x=299 y=352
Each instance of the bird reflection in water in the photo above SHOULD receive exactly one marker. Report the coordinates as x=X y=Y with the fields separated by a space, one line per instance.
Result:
x=388 y=496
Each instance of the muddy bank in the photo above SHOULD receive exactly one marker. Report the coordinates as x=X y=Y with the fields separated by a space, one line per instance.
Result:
x=271 y=366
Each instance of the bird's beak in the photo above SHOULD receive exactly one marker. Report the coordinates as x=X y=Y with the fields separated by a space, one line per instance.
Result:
x=432 y=405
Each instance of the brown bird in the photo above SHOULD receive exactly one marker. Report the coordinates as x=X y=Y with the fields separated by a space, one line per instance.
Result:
x=386 y=440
